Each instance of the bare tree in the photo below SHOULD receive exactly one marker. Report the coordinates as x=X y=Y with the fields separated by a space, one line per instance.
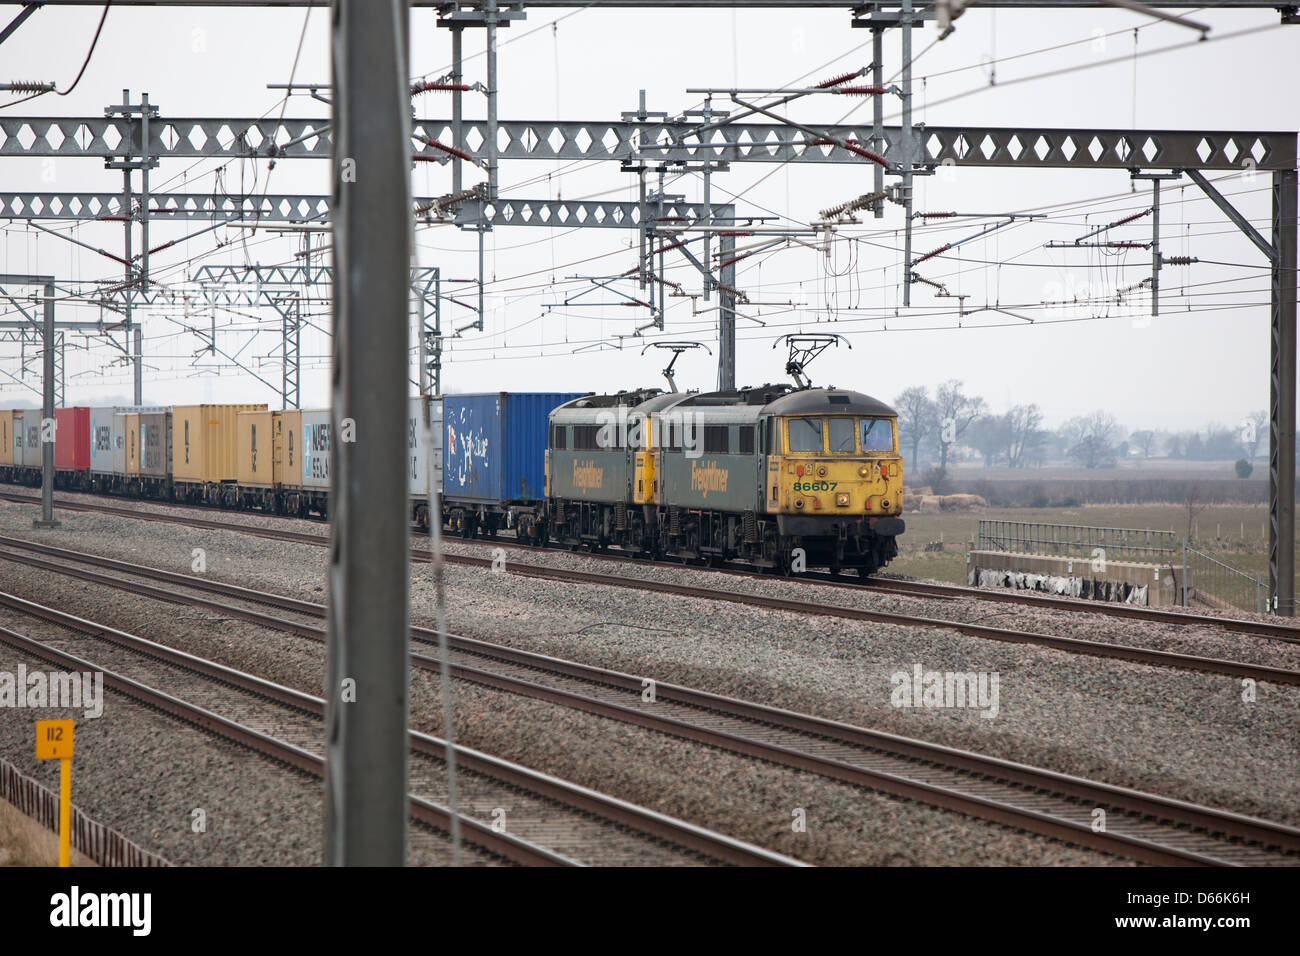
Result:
x=1192 y=502
x=916 y=419
x=1257 y=431
x=955 y=411
x=1144 y=441
x=1024 y=434
x=1093 y=438
x=989 y=436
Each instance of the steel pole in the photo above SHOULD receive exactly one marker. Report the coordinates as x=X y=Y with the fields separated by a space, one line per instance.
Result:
x=727 y=316
x=47 y=430
x=1282 y=367
x=905 y=140
x=878 y=115
x=367 y=689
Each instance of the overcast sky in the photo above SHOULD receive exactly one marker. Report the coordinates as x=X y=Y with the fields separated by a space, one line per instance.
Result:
x=1204 y=359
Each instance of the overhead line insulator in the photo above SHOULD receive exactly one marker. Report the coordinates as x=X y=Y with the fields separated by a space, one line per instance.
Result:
x=458 y=153
x=937 y=215
x=861 y=90
x=836 y=81
x=932 y=254
x=432 y=87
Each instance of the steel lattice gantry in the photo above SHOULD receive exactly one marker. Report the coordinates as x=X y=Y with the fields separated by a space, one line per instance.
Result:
x=657 y=141
x=670 y=143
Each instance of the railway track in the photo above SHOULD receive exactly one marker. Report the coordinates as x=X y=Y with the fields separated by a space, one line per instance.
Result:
x=1289 y=633
x=1104 y=649
x=552 y=822
x=1142 y=826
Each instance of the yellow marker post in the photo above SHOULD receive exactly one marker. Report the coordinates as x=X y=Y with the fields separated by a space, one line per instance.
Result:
x=54 y=742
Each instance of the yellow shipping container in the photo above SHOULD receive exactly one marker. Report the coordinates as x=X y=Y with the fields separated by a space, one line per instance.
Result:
x=204 y=441
x=133 y=450
x=288 y=453
x=6 y=437
x=259 y=448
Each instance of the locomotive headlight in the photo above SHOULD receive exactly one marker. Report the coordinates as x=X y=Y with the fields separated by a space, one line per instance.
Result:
x=885 y=503
x=798 y=503
x=822 y=471
x=864 y=471
x=842 y=501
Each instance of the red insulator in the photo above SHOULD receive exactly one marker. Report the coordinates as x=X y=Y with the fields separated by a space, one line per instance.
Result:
x=835 y=81
x=669 y=247
x=931 y=255
x=937 y=215
x=440 y=87
x=1120 y=222
x=458 y=153
x=852 y=147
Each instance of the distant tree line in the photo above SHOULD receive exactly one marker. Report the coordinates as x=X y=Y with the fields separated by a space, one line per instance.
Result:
x=948 y=424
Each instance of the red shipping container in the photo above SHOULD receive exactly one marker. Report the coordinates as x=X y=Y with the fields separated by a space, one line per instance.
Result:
x=72 y=439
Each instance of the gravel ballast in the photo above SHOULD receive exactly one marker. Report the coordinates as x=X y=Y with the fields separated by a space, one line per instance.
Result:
x=1184 y=735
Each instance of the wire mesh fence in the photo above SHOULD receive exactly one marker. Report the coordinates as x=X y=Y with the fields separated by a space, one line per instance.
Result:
x=1144 y=545
x=1208 y=581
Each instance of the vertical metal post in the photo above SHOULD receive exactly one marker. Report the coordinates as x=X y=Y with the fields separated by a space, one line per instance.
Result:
x=1183 y=577
x=727 y=316
x=47 y=433
x=1155 y=247
x=905 y=138
x=878 y=114
x=490 y=15
x=367 y=684
x=434 y=506
x=482 y=230
x=1281 y=449
x=457 y=71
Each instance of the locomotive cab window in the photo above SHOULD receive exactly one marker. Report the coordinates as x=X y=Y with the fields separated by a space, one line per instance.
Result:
x=561 y=435
x=840 y=435
x=877 y=434
x=804 y=434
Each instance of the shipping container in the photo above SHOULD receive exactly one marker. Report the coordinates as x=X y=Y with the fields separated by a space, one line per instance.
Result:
x=104 y=439
x=317 y=441
x=418 y=455
x=33 y=452
x=19 y=426
x=288 y=448
x=6 y=438
x=258 y=447
x=204 y=442
x=72 y=438
x=131 y=434
x=435 y=453
x=155 y=442
x=494 y=445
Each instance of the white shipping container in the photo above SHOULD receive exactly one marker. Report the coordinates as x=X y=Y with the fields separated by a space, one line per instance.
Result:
x=20 y=437
x=104 y=439
x=317 y=441
x=33 y=452
x=435 y=417
x=418 y=457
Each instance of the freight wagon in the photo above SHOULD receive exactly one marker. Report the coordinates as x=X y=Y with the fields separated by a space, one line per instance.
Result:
x=204 y=444
x=494 y=461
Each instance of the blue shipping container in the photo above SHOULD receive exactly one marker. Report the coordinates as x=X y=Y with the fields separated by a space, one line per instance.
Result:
x=494 y=445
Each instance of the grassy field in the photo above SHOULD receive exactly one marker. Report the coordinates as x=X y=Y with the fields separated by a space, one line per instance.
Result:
x=1235 y=534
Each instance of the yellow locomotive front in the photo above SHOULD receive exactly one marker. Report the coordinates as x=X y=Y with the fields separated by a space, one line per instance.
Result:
x=834 y=478
x=836 y=464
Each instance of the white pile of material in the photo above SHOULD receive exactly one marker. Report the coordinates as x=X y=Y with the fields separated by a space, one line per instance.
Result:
x=1068 y=586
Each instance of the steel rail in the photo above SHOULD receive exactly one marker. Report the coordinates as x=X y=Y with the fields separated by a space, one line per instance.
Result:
x=1180 y=812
